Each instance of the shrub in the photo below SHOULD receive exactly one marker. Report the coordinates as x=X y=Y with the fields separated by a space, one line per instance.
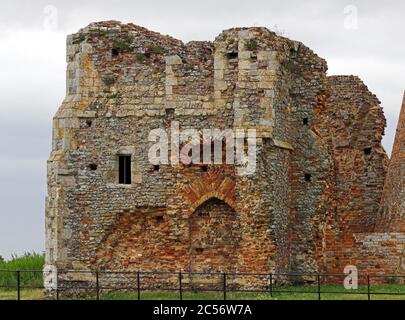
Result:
x=140 y=57
x=251 y=45
x=28 y=262
x=156 y=49
x=123 y=45
x=291 y=66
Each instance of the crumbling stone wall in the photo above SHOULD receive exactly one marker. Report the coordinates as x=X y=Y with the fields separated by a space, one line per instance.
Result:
x=392 y=210
x=353 y=235
x=314 y=185
x=354 y=123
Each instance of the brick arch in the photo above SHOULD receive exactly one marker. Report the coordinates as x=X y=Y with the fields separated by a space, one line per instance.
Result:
x=214 y=237
x=208 y=196
x=209 y=186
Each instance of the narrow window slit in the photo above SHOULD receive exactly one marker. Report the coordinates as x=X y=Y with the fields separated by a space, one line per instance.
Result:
x=124 y=164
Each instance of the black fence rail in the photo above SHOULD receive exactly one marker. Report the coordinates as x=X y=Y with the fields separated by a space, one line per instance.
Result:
x=86 y=284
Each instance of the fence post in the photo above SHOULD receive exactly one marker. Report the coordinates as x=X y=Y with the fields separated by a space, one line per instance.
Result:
x=180 y=286
x=97 y=286
x=18 y=285
x=271 y=284
x=319 y=286
x=138 y=285
x=368 y=287
x=224 y=285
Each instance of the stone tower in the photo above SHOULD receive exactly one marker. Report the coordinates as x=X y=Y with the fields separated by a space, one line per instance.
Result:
x=319 y=168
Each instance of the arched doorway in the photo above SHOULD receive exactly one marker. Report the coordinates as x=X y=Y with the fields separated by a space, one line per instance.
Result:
x=214 y=237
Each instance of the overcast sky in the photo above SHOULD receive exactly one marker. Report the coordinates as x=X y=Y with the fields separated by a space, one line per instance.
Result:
x=32 y=71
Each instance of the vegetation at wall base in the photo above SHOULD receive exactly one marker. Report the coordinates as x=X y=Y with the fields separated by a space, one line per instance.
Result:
x=27 y=261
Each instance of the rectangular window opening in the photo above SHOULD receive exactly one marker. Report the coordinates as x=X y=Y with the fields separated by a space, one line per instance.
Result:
x=124 y=164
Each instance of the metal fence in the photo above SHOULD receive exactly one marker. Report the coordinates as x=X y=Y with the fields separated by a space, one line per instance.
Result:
x=74 y=284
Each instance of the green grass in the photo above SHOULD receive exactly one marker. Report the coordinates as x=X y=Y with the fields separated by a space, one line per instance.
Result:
x=309 y=294
x=31 y=281
x=28 y=261
x=26 y=294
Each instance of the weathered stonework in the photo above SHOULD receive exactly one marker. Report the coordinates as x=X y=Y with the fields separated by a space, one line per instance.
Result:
x=312 y=204
x=391 y=217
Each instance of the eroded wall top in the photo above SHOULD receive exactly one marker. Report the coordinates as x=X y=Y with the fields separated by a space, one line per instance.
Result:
x=392 y=211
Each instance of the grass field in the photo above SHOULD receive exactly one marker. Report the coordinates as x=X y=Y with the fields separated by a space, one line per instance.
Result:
x=30 y=281
x=309 y=294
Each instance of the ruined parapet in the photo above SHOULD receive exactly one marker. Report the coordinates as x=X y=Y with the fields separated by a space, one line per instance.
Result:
x=392 y=211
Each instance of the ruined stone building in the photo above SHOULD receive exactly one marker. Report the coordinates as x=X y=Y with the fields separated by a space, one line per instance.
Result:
x=324 y=193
